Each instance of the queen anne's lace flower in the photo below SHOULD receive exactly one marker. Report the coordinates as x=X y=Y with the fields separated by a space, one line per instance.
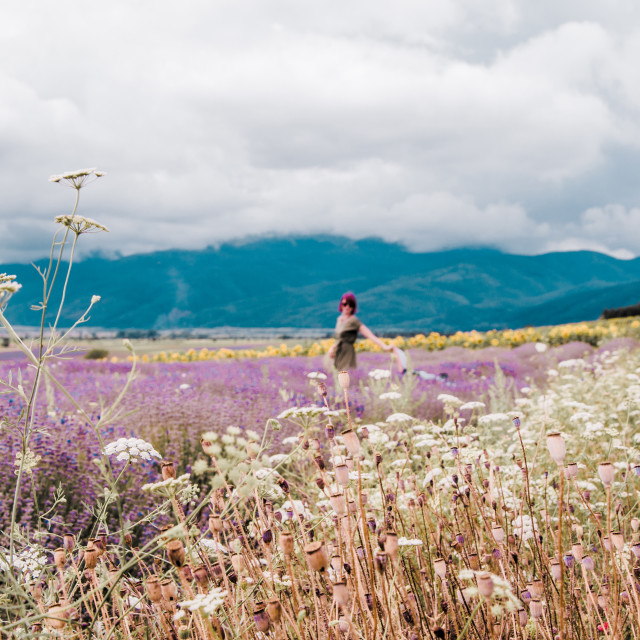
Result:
x=8 y=286
x=390 y=395
x=399 y=417
x=77 y=179
x=205 y=602
x=316 y=375
x=131 y=449
x=80 y=224
x=380 y=374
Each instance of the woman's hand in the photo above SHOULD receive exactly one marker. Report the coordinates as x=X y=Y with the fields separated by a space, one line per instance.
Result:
x=387 y=347
x=332 y=350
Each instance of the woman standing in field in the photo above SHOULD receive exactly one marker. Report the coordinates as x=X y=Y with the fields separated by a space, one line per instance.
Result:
x=347 y=327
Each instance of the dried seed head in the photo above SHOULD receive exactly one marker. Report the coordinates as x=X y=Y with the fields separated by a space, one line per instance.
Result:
x=341 y=593
x=322 y=389
x=485 y=585
x=261 y=618
x=555 y=569
x=606 y=471
x=391 y=544
x=557 y=447
x=440 y=567
x=274 y=609
x=58 y=616
x=169 y=590
x=175 y=552
x=342 y=474
x=317 y=556
x=330 y=431
x=344 y=379
x=168 y=470
x=215 y=524
x=90 y=557
x=201 y=576
x=286 y=543
x=153 y=589
x=69 y=541
x=351 y=441
x=60 y=557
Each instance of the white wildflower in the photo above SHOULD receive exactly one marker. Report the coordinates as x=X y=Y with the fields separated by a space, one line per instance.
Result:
x=472 y=406
x=80 y=224
x=406 y=542
x=541 y=347
x=77 y=179
x=206 y=602
x=316 y=375
x=390 y=395
x=399 y=417
x=380 y=374
x=131 y=449
x=450 y=401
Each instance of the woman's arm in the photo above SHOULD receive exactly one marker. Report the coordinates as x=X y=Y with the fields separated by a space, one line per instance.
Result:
x=367 y=333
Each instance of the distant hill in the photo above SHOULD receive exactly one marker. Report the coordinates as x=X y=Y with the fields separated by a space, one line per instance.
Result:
x=296 y=282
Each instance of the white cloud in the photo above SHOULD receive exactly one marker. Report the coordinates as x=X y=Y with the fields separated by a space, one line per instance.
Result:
x=435 y=124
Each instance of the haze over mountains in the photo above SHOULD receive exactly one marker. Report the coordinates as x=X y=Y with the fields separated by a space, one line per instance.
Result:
x=296 y=282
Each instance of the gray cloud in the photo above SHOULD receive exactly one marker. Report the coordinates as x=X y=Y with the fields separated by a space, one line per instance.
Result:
x=502 y=123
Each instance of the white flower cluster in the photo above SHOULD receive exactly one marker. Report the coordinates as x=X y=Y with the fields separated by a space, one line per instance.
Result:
x=29 y=562
x=380 y=374
x=301 y=412
x=399 y=417
x=206 y=602
x=390 y=395
x=406 y=542
x=132 y=449
x=8 y=286
x=77 y=179
x=80 y=224
x=316 y=375
x=525 y=527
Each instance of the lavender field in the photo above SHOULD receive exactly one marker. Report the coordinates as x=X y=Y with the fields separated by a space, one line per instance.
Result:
x=171 y=405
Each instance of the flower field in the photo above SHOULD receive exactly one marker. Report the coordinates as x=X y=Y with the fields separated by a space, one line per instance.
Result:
x=489 y=492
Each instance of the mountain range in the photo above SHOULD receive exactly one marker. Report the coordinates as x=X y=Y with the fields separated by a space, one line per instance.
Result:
x=297 y=282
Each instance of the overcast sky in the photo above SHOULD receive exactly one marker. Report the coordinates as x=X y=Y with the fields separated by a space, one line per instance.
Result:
x=436 y=123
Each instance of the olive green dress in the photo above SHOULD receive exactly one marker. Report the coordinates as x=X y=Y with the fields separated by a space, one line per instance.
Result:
x=346 y=334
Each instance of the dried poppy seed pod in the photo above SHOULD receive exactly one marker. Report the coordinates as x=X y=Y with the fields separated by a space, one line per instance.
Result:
x=351 y=441
x=536 y=607
x=474 y=561
x=317 y=556
x=555 y=569
x=342 y=474
x=523 y=618
x=618 y=540
x=153 y=589
x=90 y=557
x=69 y=542
x=556 y=446
x=485 y=585
x=341 y=593
x=60 y=557
x=274 y=609
x=261 y=618
x=330 y=431
x=201 y=576
x=319 y=460
x=536 y=589
x=498 y=533
x=391 y=544
x=344 y=379
x=381 y=561
x=58 y=616
x=440 y=567
x=169 y=590
x=215 y=524
x=322 y=389
x=572 y=470
x=175 y=552
x=168 y=470
x=606 y=471
x=286 y=543
x=267 y=536
x=338 y=503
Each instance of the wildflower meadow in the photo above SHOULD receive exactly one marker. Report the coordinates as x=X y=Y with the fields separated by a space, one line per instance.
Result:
x=490 y=491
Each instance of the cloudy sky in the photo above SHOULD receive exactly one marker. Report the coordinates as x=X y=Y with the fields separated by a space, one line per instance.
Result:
x=436 y=123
